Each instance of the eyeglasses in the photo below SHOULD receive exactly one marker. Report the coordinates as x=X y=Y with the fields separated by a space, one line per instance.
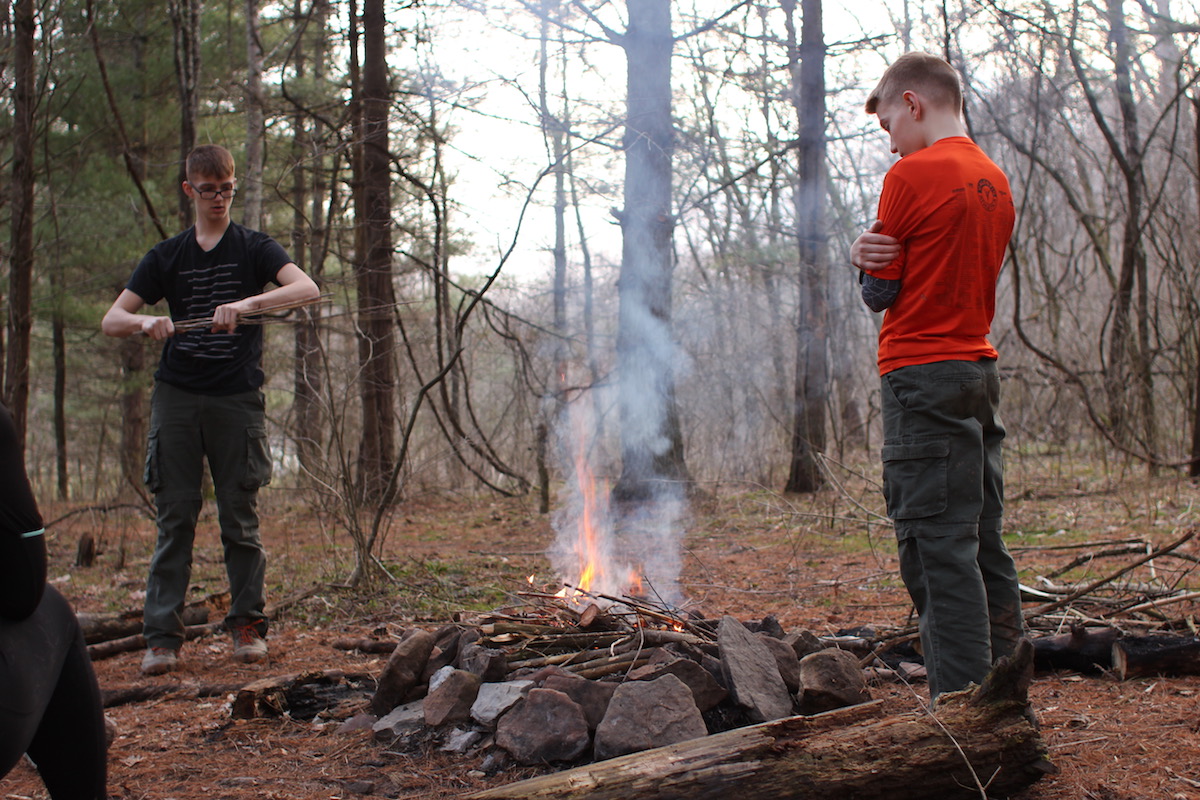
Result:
x=211 y=194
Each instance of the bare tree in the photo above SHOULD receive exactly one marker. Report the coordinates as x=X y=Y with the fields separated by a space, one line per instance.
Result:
x=252 y=187
x=185 y=22
x=376 y=294
x=806 y=63
x=651 y=439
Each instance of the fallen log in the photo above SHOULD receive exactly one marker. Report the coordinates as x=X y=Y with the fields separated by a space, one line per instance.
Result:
x=107 y=627
x=179 y=691
x=1143 y=656
x=1087 y=650
x=138 y=641
x=975 y=738
x=299 y=695
x=364 y=645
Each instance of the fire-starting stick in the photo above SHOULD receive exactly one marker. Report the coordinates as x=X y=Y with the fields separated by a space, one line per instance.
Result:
x=261 y=316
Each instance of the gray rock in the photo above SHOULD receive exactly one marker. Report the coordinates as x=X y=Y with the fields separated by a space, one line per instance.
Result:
x=706 y=692
x=646 y=714
x=403 y=671
x=831 y=679
x=460 y=740
x=545 y=727
x=451 y=701
x=402 y=720
x=751 y=673
x=358 y=722
x=592 y=696
x=488 y=663
x=803 y=643
x=496 y=698
x=438 y=676
x=785 y=660
x=446 y=643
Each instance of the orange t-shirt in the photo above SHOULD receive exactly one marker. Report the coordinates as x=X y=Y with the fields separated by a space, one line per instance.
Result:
x=952 y=210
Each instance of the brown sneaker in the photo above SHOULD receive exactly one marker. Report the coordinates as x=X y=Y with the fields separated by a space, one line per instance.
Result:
x=248 y=645
x=159 y=660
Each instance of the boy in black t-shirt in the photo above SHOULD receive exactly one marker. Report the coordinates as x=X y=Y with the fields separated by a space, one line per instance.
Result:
x=207 y=401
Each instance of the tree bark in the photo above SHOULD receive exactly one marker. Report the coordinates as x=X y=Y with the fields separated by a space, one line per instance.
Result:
x=255 y=122
x=979 y=736
x=376 y=295
x=1143 y=656
x=806 y=63
x=1194 y=466
x=20 y=287
x=308 y=246
x=185 y=21
x=651 y=437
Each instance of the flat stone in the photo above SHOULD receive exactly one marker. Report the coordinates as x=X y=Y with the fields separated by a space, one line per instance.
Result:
x=751 y=673
x=403 y=671
x=706 y=692
x=785 y=659
x=592 y=696
x=545 y=727
x=451 y=701
x=831 y=679
x=402 y=719
x=460 y=740
x=646 y=714
x=358 y=722
x=438 y=676
x=496 y=698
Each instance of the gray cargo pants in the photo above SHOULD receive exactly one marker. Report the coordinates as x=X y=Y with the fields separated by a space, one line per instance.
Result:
x=230 y=431
x=943 y=476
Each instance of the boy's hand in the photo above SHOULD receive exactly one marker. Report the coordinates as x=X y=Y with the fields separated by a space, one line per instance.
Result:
x=225 y=318
x=874 y=250
x=157 y=328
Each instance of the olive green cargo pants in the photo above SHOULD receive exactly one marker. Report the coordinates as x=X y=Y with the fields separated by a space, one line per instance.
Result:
x=230 y=431
x=943 y=475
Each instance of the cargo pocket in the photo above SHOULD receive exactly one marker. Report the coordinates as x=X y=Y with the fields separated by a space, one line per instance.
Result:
x=915 y=477
x=258 y=460
x=150 y=474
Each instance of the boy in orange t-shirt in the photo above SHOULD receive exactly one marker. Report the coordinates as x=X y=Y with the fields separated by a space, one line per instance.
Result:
x=931 y=260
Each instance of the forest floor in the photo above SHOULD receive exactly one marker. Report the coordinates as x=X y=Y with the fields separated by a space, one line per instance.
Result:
x=823 y=563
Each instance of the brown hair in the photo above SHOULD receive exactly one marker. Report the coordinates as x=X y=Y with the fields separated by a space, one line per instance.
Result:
x=210 y=160
x=922 y=72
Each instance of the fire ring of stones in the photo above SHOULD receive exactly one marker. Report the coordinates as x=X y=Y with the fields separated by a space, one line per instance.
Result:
x=568 y=686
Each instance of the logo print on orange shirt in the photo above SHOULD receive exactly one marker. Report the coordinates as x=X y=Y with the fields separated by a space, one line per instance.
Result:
x=989 y=197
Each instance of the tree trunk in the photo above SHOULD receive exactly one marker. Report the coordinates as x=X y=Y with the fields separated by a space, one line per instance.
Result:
x=651 y=438
x=308 y=245
x=59 y=335
x=807 y=67
x=252 y=193
x=376 y=295
x=1194 y=466
x=554 y=131
x=20 y=287
x=979 y=736
x=185 y=21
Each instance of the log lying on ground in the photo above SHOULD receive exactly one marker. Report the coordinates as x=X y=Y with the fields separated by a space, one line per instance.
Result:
x=138 y=641
x=977 y=737
x=1087 y=650
x=107 y=627
x=290 y=694
x=1141 y=656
